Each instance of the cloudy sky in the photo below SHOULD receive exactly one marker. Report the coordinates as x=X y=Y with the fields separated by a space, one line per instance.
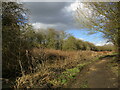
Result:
x=59 y=15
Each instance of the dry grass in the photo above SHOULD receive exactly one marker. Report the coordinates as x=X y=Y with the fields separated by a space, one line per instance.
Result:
x=54 y=62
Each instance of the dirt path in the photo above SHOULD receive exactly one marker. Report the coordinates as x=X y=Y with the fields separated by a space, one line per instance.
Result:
x=97 y=75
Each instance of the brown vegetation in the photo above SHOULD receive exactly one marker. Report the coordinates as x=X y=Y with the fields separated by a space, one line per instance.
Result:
x=55 y=62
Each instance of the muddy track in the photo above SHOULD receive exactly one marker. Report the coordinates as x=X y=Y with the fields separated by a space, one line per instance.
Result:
x=96 y=75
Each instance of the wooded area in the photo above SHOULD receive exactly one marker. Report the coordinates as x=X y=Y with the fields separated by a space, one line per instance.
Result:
x=25 y=48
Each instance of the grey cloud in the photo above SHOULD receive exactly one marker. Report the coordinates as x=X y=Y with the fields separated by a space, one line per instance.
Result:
x=50 y=13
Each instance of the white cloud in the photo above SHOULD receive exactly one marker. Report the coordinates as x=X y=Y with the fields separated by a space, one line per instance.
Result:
x=81 y=12
x=72 y=7
x=81 y=39
x=77 y=4
x=42 y=26
x=101 y=43
x=58 y=26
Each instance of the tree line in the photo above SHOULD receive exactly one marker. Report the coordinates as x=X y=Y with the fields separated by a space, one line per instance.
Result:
x=60 y=40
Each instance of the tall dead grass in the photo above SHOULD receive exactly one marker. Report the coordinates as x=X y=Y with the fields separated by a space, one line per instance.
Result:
x=50 y=63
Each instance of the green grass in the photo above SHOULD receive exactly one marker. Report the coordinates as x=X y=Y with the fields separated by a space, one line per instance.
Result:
x=114 y=53
x=67 y=75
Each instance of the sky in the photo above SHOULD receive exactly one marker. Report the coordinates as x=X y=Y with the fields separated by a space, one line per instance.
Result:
x=60 y=15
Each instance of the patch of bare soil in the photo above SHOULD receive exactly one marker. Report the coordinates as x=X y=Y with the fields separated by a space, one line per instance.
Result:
x=97 y=75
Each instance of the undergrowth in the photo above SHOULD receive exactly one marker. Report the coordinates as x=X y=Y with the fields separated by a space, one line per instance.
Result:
x=67 y=75
x=59 y=70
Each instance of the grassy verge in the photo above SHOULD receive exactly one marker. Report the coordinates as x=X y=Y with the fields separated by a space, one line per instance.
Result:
x=59 y=68
x=113 y=65
x=69 y=74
